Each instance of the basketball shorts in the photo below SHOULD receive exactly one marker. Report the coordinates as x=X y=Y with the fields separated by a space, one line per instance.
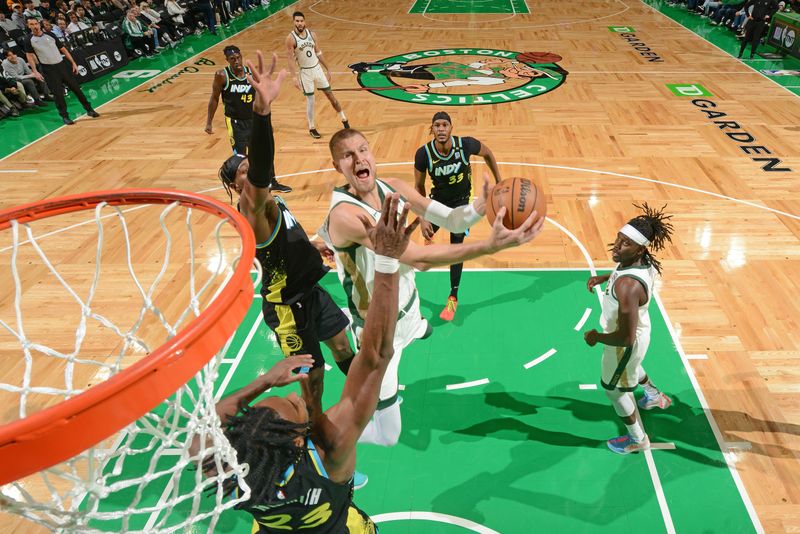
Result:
x=239 y=133
x=451 y=203
x=620 y=367
x=313 y=78
x=410 y=326
x=302 y=325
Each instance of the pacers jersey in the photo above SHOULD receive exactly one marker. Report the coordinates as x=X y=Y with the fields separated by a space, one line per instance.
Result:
x=451 y=174
x=306 y=500
x=305 y=50
x=646 y=274
x=237 y=96
x=356 y=264
x=291 y=264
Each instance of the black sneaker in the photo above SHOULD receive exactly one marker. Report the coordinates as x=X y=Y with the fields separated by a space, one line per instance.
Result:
x=281 y=188
x=314 y=133
x=346 y=124
x=92 y=113
x=68 y=121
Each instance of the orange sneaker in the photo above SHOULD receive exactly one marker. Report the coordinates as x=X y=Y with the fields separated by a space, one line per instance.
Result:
x=449 y=310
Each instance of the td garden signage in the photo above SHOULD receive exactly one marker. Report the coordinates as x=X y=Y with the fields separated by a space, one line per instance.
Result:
x=462 y=76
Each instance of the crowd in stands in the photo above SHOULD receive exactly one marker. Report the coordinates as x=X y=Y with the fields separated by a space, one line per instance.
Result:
x=738 y=16
x=146 y=27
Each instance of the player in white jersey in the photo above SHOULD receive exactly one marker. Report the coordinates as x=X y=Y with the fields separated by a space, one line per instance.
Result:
x=357 y=203
x=626 y=323
x=303 y=48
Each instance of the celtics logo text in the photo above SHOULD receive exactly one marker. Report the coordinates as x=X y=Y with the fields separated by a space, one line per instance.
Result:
x=462 y=76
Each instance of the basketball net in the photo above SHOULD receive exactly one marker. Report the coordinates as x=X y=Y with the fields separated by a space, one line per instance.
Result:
x=145 y=476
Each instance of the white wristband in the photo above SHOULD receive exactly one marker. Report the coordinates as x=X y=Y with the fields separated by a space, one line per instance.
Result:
x=386 y=265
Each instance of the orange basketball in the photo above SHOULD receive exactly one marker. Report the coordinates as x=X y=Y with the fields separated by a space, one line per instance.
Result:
x=520 y=196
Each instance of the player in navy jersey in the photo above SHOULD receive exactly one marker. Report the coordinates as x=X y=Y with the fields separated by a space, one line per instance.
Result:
x=446 y=159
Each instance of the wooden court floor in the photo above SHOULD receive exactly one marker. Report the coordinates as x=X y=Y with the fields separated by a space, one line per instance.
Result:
x=620 y=127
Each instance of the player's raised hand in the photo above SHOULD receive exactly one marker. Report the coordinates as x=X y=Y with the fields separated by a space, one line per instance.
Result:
x=266 y=87
x=501 y=237
x=281 y=373
x=390 y=235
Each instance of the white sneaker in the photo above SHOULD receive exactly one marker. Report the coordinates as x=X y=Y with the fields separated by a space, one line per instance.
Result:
x=660 y=400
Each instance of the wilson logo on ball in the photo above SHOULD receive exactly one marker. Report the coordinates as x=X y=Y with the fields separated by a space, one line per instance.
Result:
x=520 y=197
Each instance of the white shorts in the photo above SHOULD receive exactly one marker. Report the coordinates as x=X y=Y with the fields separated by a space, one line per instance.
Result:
x=313 y=78
x=410 y=326
x=620 y=368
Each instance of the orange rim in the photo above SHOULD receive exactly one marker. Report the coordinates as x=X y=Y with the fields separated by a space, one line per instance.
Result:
x=60 y=432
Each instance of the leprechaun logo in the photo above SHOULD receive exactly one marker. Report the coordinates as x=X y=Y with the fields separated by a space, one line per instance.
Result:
x=462 y=76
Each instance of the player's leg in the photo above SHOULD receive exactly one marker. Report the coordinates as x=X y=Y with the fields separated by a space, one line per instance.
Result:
x=307 y=85
x=619 y=378
x=326 y=90
x=456 y=269
x=297 y=335
x=332 y=326
x=239 y=132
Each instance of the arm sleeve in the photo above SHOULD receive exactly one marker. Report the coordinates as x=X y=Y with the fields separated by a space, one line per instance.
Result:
x=261 y=152
x=471 y=145
x=421 y=160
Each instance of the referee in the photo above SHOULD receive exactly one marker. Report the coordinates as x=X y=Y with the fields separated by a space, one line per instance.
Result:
x=45 y=49
x=237 y=98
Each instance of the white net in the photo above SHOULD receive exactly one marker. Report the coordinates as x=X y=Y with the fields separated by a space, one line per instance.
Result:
x=88 y=303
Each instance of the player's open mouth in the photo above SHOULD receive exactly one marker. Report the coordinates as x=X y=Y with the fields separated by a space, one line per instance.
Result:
x=363 y=174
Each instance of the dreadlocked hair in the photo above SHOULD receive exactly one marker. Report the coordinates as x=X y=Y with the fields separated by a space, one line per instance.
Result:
x=265 y=441
x=655 y=226
x=227 y=173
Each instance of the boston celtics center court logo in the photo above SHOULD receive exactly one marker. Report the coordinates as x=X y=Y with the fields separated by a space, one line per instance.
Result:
x=462 y=76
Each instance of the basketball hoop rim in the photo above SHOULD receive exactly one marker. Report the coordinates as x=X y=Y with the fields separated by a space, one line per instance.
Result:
x=60 y=432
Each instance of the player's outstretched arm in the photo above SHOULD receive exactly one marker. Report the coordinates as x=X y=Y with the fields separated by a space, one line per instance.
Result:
x=343 y=423
x=491 y=162
x=256 y=198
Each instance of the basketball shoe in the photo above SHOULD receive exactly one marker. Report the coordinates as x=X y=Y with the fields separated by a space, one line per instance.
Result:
x=449 y=310
x=626 y=444
x=660 y=400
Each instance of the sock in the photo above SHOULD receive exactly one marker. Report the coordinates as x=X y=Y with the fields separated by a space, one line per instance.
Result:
x=310 y=111
x=635 y=431
x=341 y=116
x=344 y=365
x=454 y=292
x=384 y=427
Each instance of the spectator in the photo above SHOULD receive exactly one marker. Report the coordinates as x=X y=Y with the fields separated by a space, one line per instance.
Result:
x=205 y=8
x=15 y=68
x=46 y=11
x=31 y=12
x=17 y=17
x=13 y=94
x=46 y=49
x=138 y=37
x=177 y=12
x=60 y=29
x=8 y=25
x=166 y=27
x=76 y=25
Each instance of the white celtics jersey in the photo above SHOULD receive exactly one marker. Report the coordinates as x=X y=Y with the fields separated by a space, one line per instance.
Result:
x=646 y=274
x=304 y=50
x=356 y=264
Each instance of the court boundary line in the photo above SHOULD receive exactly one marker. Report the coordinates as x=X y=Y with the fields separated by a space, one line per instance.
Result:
x=718 y=48
x=712 y=422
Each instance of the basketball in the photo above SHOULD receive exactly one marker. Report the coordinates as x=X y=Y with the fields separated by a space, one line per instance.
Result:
x=520 y=196
x=538 y=57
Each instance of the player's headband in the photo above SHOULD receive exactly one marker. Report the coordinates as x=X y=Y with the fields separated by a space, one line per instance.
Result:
x=230 y=50
x=228 y=170
x=635 y=235
x=441 y=115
